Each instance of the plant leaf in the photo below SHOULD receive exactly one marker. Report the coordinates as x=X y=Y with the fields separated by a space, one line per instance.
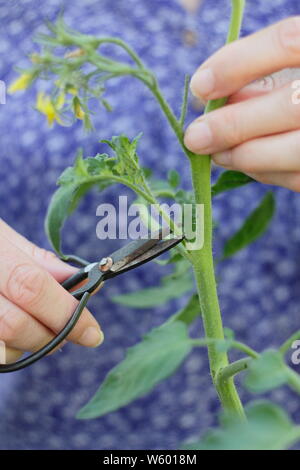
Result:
x=127 y=162
x=173 y=178
x=229 y=334
x=63 y=202
x=267 y=428
x=188 y=313
x=266 y=373
x=254 y=226
x=230 y=180
x=101 y=171
x=149 y=362
x=161 y=188
x=171 y=288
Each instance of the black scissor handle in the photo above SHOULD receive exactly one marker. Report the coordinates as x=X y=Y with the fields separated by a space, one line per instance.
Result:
x=27 y=361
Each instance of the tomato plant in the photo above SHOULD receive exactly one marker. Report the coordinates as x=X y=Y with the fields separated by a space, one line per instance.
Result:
x=78 y=75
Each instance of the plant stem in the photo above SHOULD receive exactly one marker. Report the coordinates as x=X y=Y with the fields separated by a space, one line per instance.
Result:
x=203 y=259
x=289 y=343
x=233 y=369
x=184 y=101
x=231 y=345
x=293 y=379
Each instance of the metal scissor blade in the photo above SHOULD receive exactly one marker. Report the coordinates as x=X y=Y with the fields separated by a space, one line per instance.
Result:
x=157 y=248
x=138 y=248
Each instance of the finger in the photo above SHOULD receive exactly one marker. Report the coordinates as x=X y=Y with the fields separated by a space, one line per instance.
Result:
x=239 y=63
x=7 y=354
x=265 y=85
x=46 y=259
x=34 y=290
x=234 y=124
x=12 y=355
x=289 y=180
x=278 y=153
x=19 y=330
x=261 y=86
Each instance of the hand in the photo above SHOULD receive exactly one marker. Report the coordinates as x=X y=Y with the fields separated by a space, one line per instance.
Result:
x=258 y=132
x=34 y=307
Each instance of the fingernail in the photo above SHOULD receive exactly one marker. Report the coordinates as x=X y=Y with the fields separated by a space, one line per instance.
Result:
x=198 y=136
x=92 y=337
x=203 y=83
x=222 y=158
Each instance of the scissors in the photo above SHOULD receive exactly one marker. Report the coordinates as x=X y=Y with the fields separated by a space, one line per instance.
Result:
x=132 y=255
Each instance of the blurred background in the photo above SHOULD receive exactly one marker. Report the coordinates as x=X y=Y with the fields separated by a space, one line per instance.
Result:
x=259 y=288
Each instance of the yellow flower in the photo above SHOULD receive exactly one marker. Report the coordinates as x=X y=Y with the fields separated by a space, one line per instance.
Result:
x=60 y=101
x=45 y=105
x=21 y=83
x=79 y=113
x=72 y=90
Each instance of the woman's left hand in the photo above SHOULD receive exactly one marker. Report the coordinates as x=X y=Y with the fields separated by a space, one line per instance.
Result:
x=258 y=132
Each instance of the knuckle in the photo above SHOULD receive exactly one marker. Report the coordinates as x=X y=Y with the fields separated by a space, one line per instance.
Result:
x=26 y=285
x=12 y=325
x=243 y=158
x=232 y=129
x=288 y=34
x=41 y=253
x=295 y=145
x=241 y=163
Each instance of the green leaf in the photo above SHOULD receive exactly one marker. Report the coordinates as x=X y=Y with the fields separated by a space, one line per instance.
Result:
x=146 y=364
x=266 y=373
x=188 y=313
x=127 y=162
x=267 y=428
x=74 y=183
x=184 y=197
x=173 y=178
x=171 y=288
x=63 y=202
x=229 y=334
x=254 y=226
x=161 y=188
x=230 y=180
x=100 y=171
x=174 y=257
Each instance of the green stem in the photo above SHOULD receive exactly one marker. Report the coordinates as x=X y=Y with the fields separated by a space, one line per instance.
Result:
x=232 y=345
x=203 y=259
x=184 y=101
x=289 y=343
x=124 y=46
x=293 y=379
x=231 y=370
x=245 y=349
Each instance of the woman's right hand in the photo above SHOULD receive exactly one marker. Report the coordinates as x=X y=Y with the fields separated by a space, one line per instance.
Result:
x=34 y=307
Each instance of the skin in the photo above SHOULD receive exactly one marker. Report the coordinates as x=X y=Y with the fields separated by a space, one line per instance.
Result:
x=34 y=307
x=258 y=131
